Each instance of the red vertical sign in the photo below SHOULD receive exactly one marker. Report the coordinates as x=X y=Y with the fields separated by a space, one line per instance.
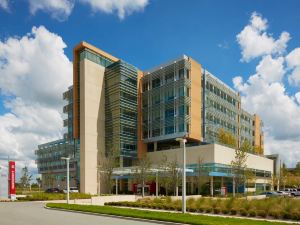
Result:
x=12 y=179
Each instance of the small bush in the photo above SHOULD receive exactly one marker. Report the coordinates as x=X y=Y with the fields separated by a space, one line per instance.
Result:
x=295 y=215
x=243 y=212
x=192 y=209
x=217 y=210
x=233 y=211
x=262 y=213
x=208 y=209
x=275 y=214
x=178 y=208
x=225 y=211
x=252 y=213
x=286 y=215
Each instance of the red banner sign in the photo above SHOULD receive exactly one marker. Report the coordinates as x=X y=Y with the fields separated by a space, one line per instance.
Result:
x=12 y=179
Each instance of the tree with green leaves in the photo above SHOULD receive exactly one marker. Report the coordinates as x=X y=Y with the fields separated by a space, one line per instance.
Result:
x=142 y=173
x=246 y=146
x=25 y=178
x=226 y=138
x=239 y=166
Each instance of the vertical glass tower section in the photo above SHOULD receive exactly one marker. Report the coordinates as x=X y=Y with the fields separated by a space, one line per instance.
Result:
x=121 y=111
x=166 y=103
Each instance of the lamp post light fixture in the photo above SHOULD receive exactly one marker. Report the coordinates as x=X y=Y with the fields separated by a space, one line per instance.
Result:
x=68 y=180
x=183 y=140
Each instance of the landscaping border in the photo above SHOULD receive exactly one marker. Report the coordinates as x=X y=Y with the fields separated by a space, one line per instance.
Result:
x=163 y=217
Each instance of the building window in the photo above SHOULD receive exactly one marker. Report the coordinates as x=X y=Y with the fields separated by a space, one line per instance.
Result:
x=181 y=91
x=169 y=77
x=169 y=130
x=181 y=73
x=169 y=113
x=155 y=132
x=169 y=94
x=187 y=74
x=181 y=127
x=155 y=99
x=155 y=83
x=145 y=86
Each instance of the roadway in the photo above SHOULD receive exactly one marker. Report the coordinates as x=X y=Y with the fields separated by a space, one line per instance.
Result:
x=34 y=213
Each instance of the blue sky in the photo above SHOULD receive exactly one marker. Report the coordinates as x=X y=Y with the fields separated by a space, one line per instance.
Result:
x=151 y=32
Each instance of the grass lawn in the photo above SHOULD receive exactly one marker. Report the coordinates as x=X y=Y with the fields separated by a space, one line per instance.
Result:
x=161 y=216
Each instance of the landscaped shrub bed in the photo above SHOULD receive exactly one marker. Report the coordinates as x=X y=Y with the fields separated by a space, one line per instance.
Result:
x=40 y=196
x=273 y=208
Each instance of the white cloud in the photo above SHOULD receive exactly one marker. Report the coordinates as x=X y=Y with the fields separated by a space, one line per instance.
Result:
x=265 y=93
x=293 y=63
x=297 y=95
x=58 y=9
x=121 y=7
x=34 y=71
x=4 y=4
x=254 y=41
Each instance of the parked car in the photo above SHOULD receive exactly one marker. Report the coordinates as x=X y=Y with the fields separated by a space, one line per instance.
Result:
x=271 y=194
x=293 y=192
x=283 y=193
x=72 y=190
x=52 y=190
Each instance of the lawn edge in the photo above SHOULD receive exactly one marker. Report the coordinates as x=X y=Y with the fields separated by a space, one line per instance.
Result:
x=169 y=222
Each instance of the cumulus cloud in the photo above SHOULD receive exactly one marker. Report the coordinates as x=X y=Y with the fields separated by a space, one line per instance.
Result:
x=58 y=9
x=121 y=7
x=255 y=41
x=264 y=92
x=4 y=4
x=293 y=63
x=34 y=71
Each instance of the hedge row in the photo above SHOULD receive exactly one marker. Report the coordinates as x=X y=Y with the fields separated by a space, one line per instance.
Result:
x=273 y=213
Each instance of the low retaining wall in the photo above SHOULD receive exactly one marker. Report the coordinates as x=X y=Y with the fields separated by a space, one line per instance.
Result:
x=100 y=200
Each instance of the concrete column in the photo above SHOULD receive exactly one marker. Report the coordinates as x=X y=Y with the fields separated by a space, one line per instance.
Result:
x=233 y=187
x=155 y=146
x=116 y=186
x=212 y=186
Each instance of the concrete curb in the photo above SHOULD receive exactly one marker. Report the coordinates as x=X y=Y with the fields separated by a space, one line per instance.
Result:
x=116 y=216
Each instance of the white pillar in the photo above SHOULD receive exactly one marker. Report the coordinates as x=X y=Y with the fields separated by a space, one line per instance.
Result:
x=116 y=186
x=212 y=186
x=184 y=179
x=233 y=187
x=68 y=180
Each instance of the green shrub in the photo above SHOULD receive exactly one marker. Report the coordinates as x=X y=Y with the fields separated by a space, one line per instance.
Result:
x=252 y=213
x=225 y=211
x=243 y=212
x=178 y=208
x=286 y=215
x=233 y=211
x=295 y=215
x=208 y=209
x=217 y=210
x=201 y=209
x=192 y=208
x=276 y=214
x=261 y=213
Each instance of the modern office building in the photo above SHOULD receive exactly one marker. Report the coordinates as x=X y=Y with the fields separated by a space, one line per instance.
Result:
x=114 y=108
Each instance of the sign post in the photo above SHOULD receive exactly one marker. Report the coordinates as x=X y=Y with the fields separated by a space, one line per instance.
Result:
x=12 y=180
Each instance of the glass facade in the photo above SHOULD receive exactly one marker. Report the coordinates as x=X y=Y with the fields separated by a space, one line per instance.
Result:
x=166 y=101
x=121 y=111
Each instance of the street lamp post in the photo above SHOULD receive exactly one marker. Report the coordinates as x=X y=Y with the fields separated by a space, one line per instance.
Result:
x=183 y=140
x=68 y=181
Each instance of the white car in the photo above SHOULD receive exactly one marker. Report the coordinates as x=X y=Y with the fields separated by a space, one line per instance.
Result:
x=283 y=193
x=72 y=190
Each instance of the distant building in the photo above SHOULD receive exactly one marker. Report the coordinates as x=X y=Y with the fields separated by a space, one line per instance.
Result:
x=115 y=107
